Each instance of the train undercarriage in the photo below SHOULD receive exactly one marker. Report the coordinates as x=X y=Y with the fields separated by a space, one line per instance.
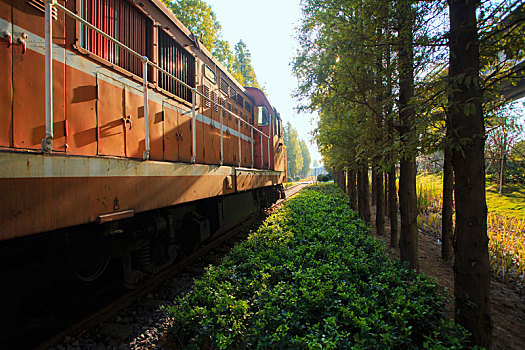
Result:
x=67 y=271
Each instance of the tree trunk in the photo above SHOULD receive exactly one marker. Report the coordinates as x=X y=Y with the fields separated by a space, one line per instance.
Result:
x=352 y=185
x=385 y=198
x=342 y=179
x=380 y=205
x=408 y=244
x=409 y=240
x=471 y=264
x=392 y=199
x=447 y=225
x=374 y=186
x=363 y=195
x=502 y=172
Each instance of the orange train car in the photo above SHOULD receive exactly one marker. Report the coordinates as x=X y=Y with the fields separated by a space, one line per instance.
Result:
x=156 y=158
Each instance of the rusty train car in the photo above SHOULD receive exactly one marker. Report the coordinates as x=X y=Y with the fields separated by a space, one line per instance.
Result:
x=123 y=162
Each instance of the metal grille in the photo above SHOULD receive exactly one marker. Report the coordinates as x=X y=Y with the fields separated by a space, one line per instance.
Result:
x=122 y=21
x=215 y=99
x=177 y=61
x=207 y=102
x=225 y=87
x=223 y=103
x=240 y=100
x=40 y=6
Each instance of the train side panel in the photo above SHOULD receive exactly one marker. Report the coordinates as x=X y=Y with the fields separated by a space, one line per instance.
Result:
x=97 y=167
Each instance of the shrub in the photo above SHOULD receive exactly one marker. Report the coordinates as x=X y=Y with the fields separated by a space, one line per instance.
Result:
x=322 y=178
x=312 y=277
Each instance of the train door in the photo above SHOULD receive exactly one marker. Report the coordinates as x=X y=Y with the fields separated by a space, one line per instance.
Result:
x=212 y=135
x=111 y=119
x=263 y=122
x=177 y=133
x=28 y=75
x=6 y=69
x=135 y=130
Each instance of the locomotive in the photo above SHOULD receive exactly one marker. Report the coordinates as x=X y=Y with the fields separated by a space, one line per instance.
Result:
x=122 y=139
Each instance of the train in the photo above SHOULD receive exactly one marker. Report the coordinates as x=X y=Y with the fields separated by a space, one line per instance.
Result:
x=122 y=139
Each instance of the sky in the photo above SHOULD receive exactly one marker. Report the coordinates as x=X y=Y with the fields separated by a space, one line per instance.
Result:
x=268 y=29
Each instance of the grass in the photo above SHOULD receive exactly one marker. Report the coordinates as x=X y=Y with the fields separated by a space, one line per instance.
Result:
x=505 y=224
x=510 y=204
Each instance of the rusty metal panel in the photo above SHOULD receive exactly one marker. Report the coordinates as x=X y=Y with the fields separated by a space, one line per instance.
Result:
x=111 y=121
x=156 y=130
x=29 y=84
x=212 y=137
x=200 y=132
x=176 y=60
x=122 y=21
x=171 y=133
x=184 y=137
x=134 y=129
x=81 y=112
x=246 y=146
x=6 y=69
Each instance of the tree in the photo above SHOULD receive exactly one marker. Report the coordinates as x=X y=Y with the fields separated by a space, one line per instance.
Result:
x=242 y=66
x=293 y=150
x=306 y=158
x=200 y=19
x=408 y=245
x=471 y=263
x=504 y=132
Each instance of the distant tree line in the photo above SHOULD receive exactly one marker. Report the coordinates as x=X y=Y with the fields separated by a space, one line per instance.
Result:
x=298 y=156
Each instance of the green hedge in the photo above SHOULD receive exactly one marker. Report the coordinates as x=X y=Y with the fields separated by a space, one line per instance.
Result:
x=312 y=278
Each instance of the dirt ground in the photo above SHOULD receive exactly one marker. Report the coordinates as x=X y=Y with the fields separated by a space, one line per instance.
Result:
x=507 y=306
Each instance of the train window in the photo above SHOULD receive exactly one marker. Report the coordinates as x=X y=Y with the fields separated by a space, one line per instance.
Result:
x=178 y=62
x=122 y=21
x=263 y=115
x=210 y=74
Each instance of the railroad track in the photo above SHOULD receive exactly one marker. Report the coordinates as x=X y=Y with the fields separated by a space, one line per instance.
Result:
x=111 y=309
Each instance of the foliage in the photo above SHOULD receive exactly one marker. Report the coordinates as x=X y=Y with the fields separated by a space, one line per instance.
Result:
x=311 y=277
x=305 y=169
x=242 y=67
x=199 y=18
x=322 y=178
x=504 y=132
x=505 y=225
x=293 y=150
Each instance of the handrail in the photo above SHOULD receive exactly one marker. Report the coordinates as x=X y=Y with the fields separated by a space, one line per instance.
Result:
x=47 y=142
